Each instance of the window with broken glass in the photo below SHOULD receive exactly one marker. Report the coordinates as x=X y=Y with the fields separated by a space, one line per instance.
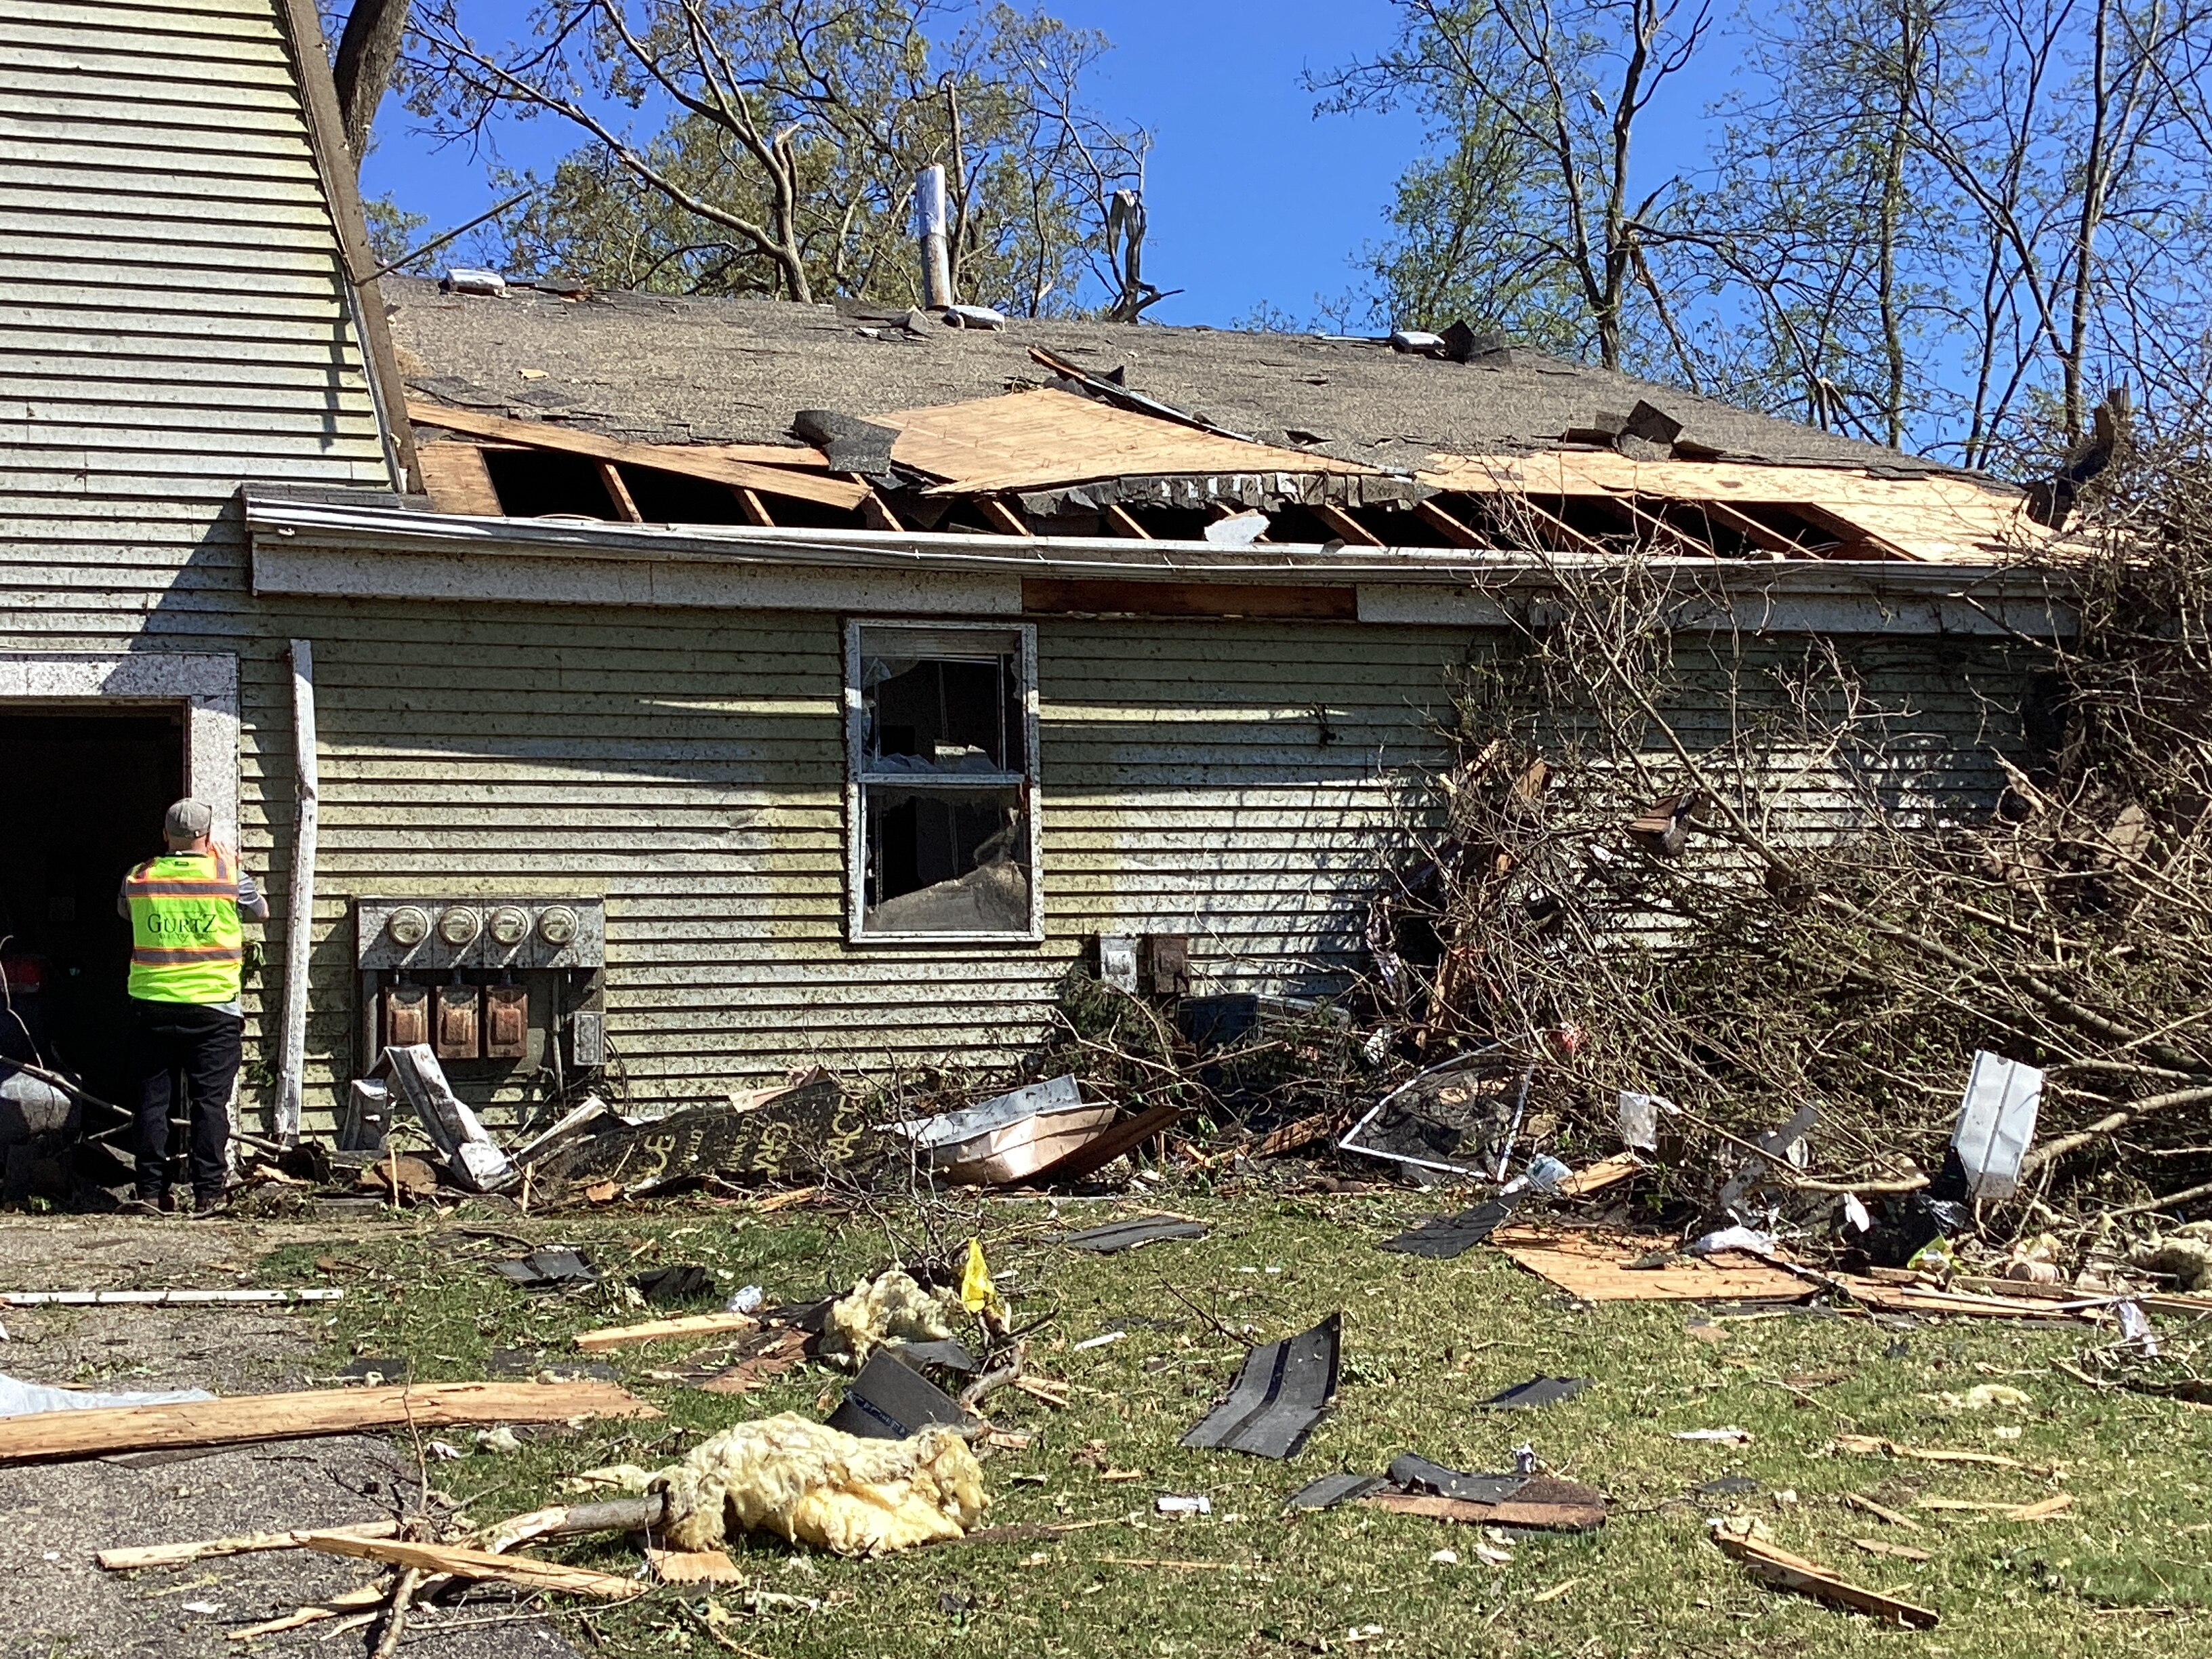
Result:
x=941 y=801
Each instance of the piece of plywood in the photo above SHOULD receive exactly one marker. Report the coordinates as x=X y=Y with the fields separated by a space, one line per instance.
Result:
x=456 y=480
x=480 y=1564
x=666 y=1330
x=1939 y=517
x=243 y=1419
x=693 y=1566
x=1036 y=440
x=665 y=458
x=1595 y=1267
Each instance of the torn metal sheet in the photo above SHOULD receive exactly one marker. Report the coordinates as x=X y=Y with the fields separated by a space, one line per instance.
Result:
x=1280 y=1394
x=547 y=1269
x=1008 y=1138
x=1996 y=1122
x=1117 y=1235
x=1459 y=1117
x=889 y=1400
x=460 y=1139
x=1536 y=1391
x=1411 y=1472
x=1442 y=1237
x=1333 y=1489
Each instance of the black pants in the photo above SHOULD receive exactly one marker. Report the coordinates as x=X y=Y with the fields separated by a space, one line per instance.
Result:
x=188 y=1046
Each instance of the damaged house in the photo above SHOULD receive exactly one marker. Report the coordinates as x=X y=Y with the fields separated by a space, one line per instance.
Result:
x=690 y=689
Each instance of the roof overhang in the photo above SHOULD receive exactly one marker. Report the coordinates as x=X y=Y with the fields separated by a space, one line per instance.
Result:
x=373 y=549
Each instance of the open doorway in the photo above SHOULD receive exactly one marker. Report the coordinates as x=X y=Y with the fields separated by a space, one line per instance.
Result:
x=86 y=789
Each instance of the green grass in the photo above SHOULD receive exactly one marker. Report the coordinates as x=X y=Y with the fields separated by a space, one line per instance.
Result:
x=2125 y=1570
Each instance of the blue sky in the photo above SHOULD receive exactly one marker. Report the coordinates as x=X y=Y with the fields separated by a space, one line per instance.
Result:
x=1251 y=198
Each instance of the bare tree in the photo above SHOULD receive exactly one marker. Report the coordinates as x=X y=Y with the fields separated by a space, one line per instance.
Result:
x=790 y=136
x=1562 y=86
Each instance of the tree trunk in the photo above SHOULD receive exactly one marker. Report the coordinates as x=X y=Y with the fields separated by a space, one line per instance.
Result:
x=368 y=51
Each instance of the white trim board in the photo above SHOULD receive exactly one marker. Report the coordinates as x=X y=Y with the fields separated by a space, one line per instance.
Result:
x=205 y=683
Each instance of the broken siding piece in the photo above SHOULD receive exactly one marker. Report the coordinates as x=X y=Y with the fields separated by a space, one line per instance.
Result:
x=665 y=458
x=1033 y=440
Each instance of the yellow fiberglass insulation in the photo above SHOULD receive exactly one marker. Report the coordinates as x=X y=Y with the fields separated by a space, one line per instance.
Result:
x=890 y=1308
x=820 y=1485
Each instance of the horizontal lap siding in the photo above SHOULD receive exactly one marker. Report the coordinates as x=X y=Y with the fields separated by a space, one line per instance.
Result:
x=172 y=326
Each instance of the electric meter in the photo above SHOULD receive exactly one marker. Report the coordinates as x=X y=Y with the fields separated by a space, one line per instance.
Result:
x=460 y=925
x=556 y=925
x=408 y=925
x=510 y=924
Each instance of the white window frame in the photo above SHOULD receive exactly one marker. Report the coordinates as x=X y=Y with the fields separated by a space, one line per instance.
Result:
x=856 y=823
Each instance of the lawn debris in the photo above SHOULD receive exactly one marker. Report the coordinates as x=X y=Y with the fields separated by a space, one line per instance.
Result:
x=1730 y=1436
x=1996 y=1122
x=673 y=1285
x=553 y=1268
x=1459 y=1117
x=180 y=1555
x=812 y=1484
x=892 y=1400
x=240 y=1419
x=1281 y=1392
x=1333 y=1489
x=462 y=1563
x=471 y=1155
x=19 y=1399
x=1596 y=1178
x=1008 y=1138
x=1539 y=1505
x=1880 y=1512
x=889 y=1307
x=1536 y=1391
x=1783 y=1571
x=693 y=1566
x=666 y=1330
x=1440 y=1238
x=1601 y=1267
x=1900 y=1551
x=1134 y=1234
x=1867 y=1445
x=760 y=1359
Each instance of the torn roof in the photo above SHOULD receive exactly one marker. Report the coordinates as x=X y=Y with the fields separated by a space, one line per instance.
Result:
x=657 y=369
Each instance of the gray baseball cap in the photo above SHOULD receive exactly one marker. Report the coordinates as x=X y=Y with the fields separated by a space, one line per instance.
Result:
x=187 y=820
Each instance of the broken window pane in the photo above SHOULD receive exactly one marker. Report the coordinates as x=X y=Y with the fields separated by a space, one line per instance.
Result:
x=941 y=861
x=945 y=774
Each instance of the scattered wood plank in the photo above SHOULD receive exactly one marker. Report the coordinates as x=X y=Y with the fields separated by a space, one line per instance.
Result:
x=1881 y=1511
x=786 y=1201
x=1595 y=1267
x=243 y=1419
x=1541 y=1505
x=2043 y=1508
x=1288 y=1138
x=1605 y=1172
x=1794 y=1572
x=667 y=1330
x=461 y=1563
x=244 y=1543
x=1867 y=1445
x=703 y=463
x=1924 y=1299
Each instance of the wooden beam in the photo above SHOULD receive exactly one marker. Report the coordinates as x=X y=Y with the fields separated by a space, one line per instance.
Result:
x=618 y=493
x=754 y=510
x=1458 y=534
x=1575 y=541
x=457 y=480
x=665 y=458
x=1764 y=536
x=1002 y=518
x=1344 y=526
x=243 y=1419
x=481 y=1564
x=1660 y=531
x=1123 y=522
x=666 y=1330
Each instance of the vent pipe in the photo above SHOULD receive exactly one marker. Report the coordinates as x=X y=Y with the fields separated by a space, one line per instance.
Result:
x=931 y=215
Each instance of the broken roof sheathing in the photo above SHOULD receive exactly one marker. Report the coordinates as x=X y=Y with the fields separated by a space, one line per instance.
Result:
x=1054 y=429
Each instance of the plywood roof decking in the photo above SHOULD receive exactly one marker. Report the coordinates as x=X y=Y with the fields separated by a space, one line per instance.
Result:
x=1032 y=439
x=1595 y=1267
x=1938 y=516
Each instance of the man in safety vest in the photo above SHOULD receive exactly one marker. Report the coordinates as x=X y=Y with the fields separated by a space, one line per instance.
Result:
x=187 y=950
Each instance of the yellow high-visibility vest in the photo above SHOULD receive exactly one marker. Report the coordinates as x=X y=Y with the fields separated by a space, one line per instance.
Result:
x=187 y=943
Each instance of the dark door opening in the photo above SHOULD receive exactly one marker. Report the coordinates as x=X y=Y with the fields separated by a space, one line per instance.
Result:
x=85 y=794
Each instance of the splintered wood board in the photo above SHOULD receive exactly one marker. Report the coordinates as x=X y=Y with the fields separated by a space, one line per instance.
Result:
x=666 y=1330
x=1034 y=440
x=1906 y=1298
x=246 y=1418
x=480 y=1564
x=1794 y=1572
x=1594 y=1266
x=1940 y=517
x=1543 y=1505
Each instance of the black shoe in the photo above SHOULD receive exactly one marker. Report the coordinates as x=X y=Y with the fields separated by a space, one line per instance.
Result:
x=208 y=1203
